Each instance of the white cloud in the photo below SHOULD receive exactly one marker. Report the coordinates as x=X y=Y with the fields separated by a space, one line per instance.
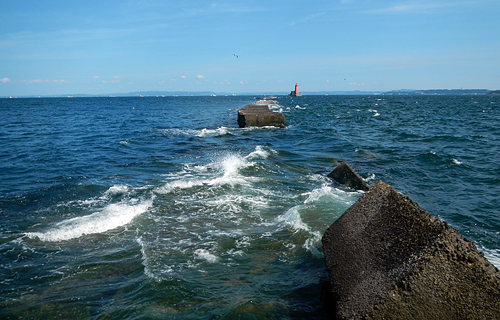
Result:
x=4 y=80
x=117 y=77
x=183 y=77
x=200 y=76
x=95 y=77
x=34 y=81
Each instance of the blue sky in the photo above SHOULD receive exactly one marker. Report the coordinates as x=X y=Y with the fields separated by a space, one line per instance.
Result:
x=104 y=47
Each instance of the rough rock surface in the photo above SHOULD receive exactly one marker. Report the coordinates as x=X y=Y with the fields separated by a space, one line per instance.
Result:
x=389 y=259
x=258 y=115
x=345 y=175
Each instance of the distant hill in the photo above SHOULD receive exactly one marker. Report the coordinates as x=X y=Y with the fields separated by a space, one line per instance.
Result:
x=439 y=92
x=406 y=92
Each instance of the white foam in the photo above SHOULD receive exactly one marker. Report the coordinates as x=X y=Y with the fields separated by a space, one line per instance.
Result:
x=180 y=184
x=227 y=168
x=117 y=189
x=328 y=194
x=230 y=166
x=292 y=218
x=261 y=153
x=112 y=216
x=493 y=256
x=455 y=161
x=211 y=132
x=145 y=260
x=205 y=255
x=311 y=243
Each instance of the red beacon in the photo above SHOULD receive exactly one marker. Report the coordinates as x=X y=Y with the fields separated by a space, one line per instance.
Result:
x=296 y=92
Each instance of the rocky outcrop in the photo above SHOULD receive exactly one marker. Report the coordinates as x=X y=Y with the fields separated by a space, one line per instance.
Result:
x=389 y=259
x=258 y=115
x=345 y=175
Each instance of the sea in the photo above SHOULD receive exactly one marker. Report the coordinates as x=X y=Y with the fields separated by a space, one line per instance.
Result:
x=163 y=208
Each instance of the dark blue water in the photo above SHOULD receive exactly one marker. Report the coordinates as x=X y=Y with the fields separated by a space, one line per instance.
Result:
x=148 y=208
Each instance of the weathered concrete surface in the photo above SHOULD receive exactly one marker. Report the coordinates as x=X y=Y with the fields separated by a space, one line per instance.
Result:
x=389 y=259
x=259 y=115
x=345 y=175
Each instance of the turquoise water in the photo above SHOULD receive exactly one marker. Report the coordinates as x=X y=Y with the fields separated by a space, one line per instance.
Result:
x=148 y=208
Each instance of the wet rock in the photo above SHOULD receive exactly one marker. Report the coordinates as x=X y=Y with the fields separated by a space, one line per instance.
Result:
x=345 y=175
x=258 y=115
x=389 y=259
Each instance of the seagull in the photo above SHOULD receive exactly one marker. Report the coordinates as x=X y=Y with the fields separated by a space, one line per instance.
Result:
x=235 y=55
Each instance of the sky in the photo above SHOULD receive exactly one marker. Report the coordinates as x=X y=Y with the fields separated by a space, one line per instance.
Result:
x=103 y=47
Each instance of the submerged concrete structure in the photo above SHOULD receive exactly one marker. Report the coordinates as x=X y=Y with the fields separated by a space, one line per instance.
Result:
x=389 y=259
x=258 y=114
x=346 y=175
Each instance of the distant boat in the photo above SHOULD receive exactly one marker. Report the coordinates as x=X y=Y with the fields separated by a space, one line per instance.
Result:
x=265 y=97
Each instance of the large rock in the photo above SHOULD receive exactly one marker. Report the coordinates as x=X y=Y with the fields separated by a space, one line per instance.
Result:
x=259 y=115
x=345 y=175
x=389 y=259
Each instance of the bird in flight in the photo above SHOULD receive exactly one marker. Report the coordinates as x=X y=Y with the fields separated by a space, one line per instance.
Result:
x=235 y=55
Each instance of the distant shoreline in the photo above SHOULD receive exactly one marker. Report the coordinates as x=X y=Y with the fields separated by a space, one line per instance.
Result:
x=402 y=92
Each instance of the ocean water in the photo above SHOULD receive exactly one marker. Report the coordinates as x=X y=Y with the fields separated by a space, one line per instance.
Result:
x=162 y=208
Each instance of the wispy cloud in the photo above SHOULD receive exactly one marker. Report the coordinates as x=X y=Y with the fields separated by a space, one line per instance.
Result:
x=308 y=18
x=200 y=76
x=36 y=81
x=4 y=80
x=420 y=6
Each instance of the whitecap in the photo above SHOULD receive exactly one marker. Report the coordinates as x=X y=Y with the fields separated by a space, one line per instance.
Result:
x=329 y=194
x=112 y=216
x=203 y=254
x=212 y=132
x=117 y=189
x=229 y=167
x=292 y=218
x=261 y=153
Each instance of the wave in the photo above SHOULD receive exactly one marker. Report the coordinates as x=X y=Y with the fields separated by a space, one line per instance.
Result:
x=205 y=255
x=110 y=217
x=200 y=133
x=223 y=171
x=493 y=256
x=335 y=200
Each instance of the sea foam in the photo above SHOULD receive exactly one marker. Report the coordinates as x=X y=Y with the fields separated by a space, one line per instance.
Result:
x=110 y=217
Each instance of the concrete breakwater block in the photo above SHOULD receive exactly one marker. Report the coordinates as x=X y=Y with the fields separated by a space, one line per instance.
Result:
x=345 y=175
x=389 y=259
x=258 y=115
